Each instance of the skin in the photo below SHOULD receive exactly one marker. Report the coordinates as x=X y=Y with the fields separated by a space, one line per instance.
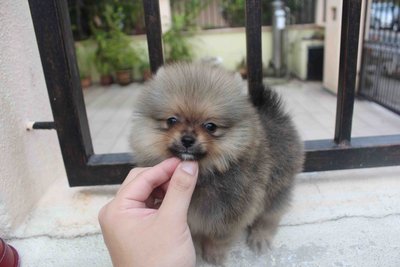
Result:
x=138 y=231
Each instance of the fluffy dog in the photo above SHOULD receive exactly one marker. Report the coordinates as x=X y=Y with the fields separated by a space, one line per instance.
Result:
x=248 y=153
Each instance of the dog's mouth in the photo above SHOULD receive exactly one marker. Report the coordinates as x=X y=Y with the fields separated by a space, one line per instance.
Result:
x=187 y=153
x=187 y=156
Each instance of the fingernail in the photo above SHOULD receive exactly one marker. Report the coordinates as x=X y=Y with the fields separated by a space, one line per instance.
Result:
x=189 y=167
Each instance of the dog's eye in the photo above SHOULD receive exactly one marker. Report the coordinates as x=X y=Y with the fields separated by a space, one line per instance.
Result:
x=210 y=127
x=171 y=121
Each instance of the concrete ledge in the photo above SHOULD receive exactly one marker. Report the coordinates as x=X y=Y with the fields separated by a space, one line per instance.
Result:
x=338 y=218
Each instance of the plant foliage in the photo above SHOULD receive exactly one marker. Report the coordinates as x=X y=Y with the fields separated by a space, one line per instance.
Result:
x=115 y=51
x=87 y=16
x=233 y=11
x=84 y=60
x=176 y=44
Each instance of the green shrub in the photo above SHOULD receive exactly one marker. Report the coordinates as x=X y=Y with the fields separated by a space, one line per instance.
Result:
x=176 y=46
x=114 y=52
x=85 y=60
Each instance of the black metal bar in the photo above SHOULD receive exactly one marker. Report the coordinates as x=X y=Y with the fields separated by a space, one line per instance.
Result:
x=385 y=104
x=253 y=50
x=110 y=159
x=347 y=70
x=54 y=37
x=106 y=169
x=375 y=151
x=43 y=125
x=56 y=46
x=154 y=33
x=321 y=155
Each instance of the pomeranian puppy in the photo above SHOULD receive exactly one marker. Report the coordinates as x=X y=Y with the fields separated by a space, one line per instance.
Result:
x=248 y=154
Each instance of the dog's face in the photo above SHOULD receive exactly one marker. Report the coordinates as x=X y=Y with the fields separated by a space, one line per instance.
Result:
x=192 y=129
x=190 y=138
x=193 y=112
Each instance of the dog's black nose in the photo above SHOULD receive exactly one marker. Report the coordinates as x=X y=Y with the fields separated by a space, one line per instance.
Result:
x=188 y=140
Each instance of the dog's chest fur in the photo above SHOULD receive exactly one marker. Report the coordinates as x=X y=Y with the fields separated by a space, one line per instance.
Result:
x=207 y=211
x=220 y=203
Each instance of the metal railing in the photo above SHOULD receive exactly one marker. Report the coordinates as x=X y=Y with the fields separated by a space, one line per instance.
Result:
x=84 y=167
x=380 y=73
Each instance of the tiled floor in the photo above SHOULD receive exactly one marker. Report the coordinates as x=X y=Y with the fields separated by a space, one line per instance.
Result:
x=313 y=110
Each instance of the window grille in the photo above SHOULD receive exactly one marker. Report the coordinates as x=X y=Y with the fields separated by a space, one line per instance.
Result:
x=84 y=167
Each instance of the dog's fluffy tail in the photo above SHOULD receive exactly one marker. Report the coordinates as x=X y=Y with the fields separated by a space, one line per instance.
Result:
x=284 y=142
x=268 y=102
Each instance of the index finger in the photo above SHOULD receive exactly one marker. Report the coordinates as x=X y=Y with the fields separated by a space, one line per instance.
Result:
x=131 y=176
x=139 y=189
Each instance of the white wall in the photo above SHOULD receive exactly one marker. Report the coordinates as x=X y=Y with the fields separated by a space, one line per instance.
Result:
x=320 y=12
x=332 y=44
x=165 y=15
x=29 y=161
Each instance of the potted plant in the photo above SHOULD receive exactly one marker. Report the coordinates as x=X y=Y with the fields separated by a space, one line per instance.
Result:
x=124 y=66
x=175 y=41
x=114 y=46
x=103 y=61
x=84 y=60
x=145 y=71
x=143 y=68
x=122 y=57
x=104 y=68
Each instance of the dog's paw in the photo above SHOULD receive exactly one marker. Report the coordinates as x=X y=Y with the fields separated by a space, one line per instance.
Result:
x=213 y=254
x=214 y=257
x=259 y=242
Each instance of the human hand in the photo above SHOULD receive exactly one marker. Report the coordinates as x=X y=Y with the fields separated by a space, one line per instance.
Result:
x=136 y=233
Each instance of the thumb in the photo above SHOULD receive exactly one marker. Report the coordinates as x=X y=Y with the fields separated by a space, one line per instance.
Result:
x=179 y=193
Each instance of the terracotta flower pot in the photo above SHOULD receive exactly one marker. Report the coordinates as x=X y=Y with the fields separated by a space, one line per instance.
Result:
x=146 y=74
x=86 y=82
x=243 y=72
x=124 y=77
x=106 y=80
x=8 y=255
